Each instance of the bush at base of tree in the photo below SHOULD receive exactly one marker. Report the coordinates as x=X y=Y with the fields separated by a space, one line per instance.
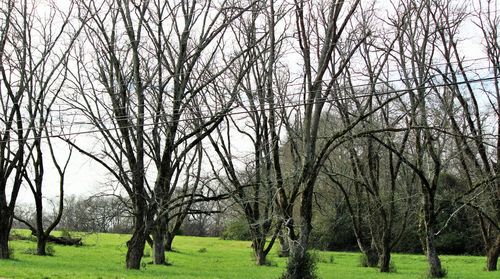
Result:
x=301 y=268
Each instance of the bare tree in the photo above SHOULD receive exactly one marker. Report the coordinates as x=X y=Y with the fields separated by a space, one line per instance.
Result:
x=251 y=178
x=478 y=149
x=377 y=191
x=153 y=61
x=373 y=174
x=417 y=53
x=13 y=133
x=49 y=77
x=320 y=28
x=33 y=52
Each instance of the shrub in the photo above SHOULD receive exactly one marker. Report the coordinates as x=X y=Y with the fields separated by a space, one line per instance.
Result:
x=301 y=267
x=50 y=250
x=30 y=251
x=236 y=230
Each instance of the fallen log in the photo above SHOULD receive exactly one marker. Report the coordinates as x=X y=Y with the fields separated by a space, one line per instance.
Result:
x=68 y=241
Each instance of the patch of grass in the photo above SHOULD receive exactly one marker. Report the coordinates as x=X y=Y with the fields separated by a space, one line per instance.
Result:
x=103 y=256
x=202 y=250
x=328 y=259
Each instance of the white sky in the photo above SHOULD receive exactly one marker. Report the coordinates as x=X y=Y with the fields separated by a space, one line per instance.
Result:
x=84 y=176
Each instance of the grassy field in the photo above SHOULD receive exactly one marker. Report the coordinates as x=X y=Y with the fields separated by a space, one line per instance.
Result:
x=102 y=256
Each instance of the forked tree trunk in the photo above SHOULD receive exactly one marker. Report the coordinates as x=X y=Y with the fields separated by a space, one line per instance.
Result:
x=258 y=249
x=492 y=255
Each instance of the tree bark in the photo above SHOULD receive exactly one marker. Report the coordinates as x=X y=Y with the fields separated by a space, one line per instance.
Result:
x=369 y=251
x=41 y=240
x=258 y=248
x=41 y=244
x=492 y=255
x=372 y=258
x=169 y=239
x=300 y=263
x=435 y=269
x=4 y=235
x=158 y=248
x=135 y=249
x=385 y=258
x=159 y=235
x=284 y=247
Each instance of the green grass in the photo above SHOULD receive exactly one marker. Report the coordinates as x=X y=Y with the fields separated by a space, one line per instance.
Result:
x=103 y=255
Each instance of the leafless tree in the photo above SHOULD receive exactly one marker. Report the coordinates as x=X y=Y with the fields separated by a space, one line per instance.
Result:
x=478 y=149
x=374 y=172
x=34 y=49
x=251 y=178
x=325 y=49
x=153 y=61
x=418 y=50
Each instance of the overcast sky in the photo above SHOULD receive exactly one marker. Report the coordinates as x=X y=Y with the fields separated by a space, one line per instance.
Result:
x=85 y=177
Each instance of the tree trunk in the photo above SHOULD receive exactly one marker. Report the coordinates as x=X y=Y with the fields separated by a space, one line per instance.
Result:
x=41 y=243
x=169 y=239
x=385 y=259
x=135 y=249
x=4 y=234
x=300 y=263
x=41 y=240
x=385 y=251
x=4 y=244
x=435 y=270
x=284 y=247
x=371 y=255
x=492 y=255
x=159 y=234
x=369 y=251
x=258 y=248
